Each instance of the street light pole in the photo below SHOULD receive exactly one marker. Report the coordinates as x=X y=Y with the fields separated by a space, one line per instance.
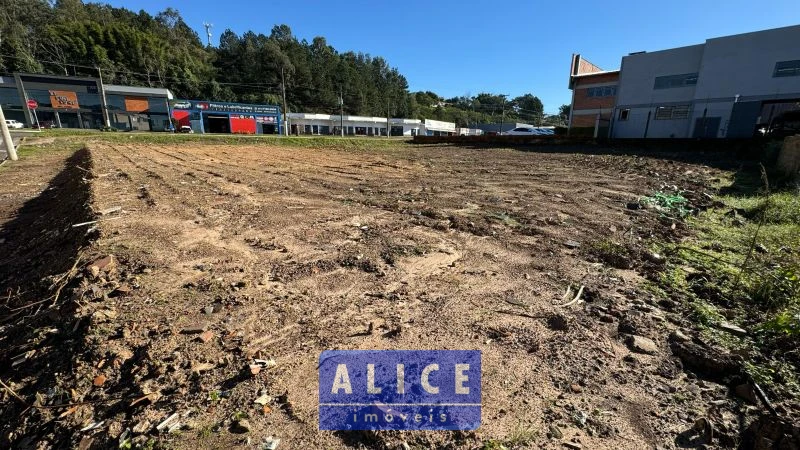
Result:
x=503 y=116
x=103 y=98
x=12 y=152
x=341 y=113
x=285 y=112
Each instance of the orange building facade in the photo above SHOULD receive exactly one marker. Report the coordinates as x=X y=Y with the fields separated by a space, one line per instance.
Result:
x=594 y=96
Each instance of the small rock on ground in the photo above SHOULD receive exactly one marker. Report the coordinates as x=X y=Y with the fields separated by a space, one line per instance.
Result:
x=641 y=344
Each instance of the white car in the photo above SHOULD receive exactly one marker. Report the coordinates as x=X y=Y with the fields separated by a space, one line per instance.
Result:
x=521 y=131
x=14 y=124
x=528 y=131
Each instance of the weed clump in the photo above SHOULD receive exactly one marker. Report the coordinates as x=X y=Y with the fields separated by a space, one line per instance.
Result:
x=612 y=253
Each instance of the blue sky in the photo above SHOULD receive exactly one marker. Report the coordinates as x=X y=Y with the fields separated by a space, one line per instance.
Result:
x=508 y=47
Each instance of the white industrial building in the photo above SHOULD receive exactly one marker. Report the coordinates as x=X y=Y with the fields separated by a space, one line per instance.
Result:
x=469 y=132
x=726 y=87
x=438 y=128
x=331 y=124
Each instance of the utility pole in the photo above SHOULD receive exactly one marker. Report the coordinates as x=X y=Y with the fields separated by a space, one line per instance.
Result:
x=208 y=31
x=12 y=152
x=503 y=116
x=341 y=112
x=103 y=97
x=285 y=112
x=388 y=124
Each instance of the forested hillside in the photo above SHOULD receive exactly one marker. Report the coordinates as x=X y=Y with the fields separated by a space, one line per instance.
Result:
x=137 y=48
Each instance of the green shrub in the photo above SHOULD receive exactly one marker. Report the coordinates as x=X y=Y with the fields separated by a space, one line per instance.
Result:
x=785 y=322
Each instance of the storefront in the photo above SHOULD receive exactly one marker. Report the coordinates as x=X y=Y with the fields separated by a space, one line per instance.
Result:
x=77 y=102
x=327 y=124
x=64 y=102
x=220 y=117
x=134 y=108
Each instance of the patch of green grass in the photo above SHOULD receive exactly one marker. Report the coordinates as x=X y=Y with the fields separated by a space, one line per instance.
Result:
x=214 y=396
x=522 y=435
x=493 y=444
x=742 y=265
x=673 y=278
x=705 y=313
x=205 y=432
x=654 y=289
x=343 y=143
x=785 y=323
x=775 y=374
x=782 y=207
x=611 y=253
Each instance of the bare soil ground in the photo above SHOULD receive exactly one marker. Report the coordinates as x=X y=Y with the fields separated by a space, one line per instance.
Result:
x=283 y=252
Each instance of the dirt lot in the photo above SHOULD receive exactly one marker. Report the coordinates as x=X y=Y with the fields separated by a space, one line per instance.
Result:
x=281 y=253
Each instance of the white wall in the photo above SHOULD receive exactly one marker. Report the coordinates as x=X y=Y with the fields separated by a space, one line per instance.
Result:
x=410 y=126
x=744 y=64
x=433 y=126
x=639 y=72
x=728 y=66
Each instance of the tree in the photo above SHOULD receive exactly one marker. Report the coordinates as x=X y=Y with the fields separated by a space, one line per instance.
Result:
x=564 y=111
x=528 y=107
x=137 y=48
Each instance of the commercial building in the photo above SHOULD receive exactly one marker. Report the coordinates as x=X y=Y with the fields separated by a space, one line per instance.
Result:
x=78 y=102
x=221 y=117
x=133 y=108
x=327 y=124
x=438 y=128
x=469 y=131
x=727 y=87
x=594 y=93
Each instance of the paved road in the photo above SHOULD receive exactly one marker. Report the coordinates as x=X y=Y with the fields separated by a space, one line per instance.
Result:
x=15 y=136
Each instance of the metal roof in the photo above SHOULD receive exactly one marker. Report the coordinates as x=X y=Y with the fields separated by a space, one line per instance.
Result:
x=117 y=89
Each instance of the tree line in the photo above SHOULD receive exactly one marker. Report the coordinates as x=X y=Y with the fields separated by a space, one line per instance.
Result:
x=68 y=37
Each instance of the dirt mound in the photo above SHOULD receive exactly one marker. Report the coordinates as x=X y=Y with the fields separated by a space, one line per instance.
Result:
x=42 y=254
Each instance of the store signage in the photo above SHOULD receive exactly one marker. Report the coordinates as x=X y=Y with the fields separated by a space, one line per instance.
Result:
x=136 y=104
x=225 y=107
x=240 y=108
x=64 y=100
x=182 y=104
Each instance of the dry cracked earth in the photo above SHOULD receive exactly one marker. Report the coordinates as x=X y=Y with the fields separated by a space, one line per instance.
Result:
x=217 y=274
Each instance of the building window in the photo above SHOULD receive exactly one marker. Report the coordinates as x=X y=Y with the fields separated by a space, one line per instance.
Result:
x=675 y=81
x=680 y=112
x=603 y=91
x=672 y=112
x=787 y=69
x=624 y=113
